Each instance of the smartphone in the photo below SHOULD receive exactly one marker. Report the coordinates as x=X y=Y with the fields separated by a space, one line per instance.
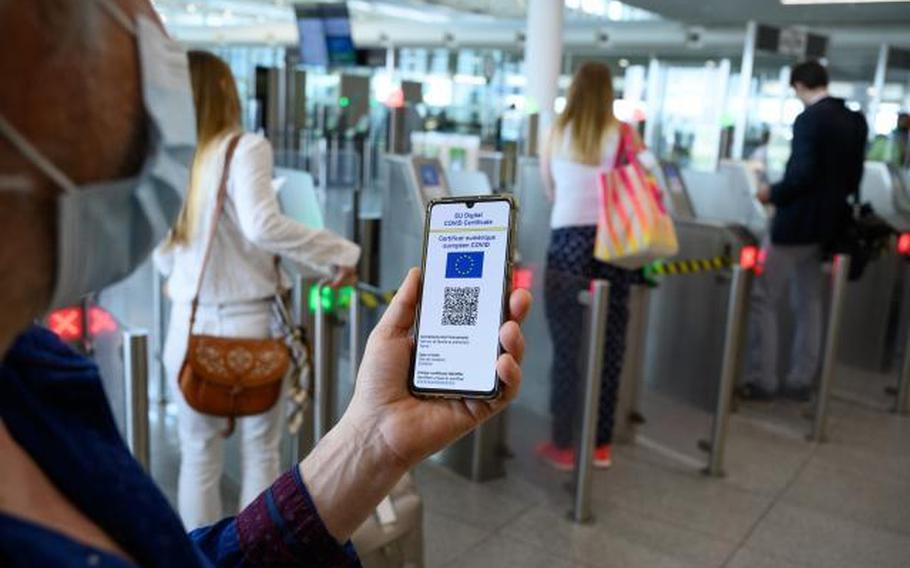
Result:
x=464 y=295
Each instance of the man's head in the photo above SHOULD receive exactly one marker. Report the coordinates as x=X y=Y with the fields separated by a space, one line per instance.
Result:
x=72 y=89
x=809 y=79
x=903 y=122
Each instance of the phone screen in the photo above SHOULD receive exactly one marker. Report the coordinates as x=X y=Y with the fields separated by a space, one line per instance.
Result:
x=462 y=300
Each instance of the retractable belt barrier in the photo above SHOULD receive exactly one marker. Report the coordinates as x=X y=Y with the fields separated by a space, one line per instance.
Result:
x=371 y=297
x=332 y=300
x=687 y=266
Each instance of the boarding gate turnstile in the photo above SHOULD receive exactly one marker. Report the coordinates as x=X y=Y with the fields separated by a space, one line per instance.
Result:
x=681 y=332
x=873 y=322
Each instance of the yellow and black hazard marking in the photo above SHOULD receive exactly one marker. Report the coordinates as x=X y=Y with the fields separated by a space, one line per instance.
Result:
x=375 y=299
x=688 y=266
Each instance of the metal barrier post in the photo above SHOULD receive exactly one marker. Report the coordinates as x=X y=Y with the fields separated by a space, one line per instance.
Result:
x=584 y=457
x=321 y=364
x=733 y=342
x=158 y=318
x=136 y=393
x=627 y=398
x=840 y=270
x=902 y=403
x=354 y=323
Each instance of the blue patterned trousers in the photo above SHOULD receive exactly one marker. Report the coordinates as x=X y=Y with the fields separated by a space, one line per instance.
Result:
x=570 y=267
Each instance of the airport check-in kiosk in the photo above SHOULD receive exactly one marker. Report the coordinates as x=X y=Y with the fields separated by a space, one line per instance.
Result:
x=411 y=183
x=468 y=182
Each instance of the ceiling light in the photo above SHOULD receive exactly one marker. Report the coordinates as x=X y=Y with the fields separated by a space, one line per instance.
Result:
x=191 y=8
x=805 y=2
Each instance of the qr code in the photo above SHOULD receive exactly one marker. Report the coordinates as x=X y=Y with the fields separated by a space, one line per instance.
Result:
x=460 y=305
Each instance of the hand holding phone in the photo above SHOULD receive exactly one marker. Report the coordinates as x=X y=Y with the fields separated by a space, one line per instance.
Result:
x=414 y=427
x=464 y=297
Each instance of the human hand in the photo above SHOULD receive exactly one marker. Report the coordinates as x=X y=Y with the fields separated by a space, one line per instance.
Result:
x=386 y=430
x=343 y=276
x=764 y=193
x=412 y=428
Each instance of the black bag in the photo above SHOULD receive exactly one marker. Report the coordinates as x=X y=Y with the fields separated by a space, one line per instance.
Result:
x=864 y=236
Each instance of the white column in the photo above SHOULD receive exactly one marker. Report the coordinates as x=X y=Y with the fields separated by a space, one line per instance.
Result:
x=745 y=84
x=878 y=85
x=654 y=96
x=543 y=55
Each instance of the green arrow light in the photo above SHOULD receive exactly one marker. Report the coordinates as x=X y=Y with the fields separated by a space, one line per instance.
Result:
x=326 y=297
x=344 y=296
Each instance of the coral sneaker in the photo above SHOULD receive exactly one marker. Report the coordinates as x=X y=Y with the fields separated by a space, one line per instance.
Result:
x=555 y=457
x=602 y=457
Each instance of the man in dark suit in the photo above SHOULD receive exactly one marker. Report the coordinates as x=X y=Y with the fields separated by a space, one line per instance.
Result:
x=811 y=209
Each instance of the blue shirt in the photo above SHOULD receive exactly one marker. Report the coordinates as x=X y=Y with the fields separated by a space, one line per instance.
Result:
x=53 y=405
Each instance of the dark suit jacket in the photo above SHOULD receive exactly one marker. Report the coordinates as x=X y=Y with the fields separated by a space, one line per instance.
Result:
x=825 y=167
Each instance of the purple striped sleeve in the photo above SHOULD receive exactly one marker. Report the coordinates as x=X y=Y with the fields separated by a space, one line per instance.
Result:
x=282 y=528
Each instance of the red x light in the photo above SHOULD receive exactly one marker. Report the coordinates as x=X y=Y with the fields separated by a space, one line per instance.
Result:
x=522 y=278
x=748 y=258
x=903 y=244
x=67 y=322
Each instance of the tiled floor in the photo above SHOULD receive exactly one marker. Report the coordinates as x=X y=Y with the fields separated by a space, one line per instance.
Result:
x=784 y=503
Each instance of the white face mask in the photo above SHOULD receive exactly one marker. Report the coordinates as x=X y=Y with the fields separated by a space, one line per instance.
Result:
x=105 y=230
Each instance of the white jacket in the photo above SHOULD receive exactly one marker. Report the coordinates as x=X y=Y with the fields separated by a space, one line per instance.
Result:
x=251 y=231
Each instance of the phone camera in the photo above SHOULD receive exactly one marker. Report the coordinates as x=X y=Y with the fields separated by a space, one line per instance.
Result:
x=470 y=204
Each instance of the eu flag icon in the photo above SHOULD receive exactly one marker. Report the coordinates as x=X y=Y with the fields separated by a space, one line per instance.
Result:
x=464 y=265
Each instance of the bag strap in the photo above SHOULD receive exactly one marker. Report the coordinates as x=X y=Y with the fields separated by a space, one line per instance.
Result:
x=216 y=216
x=628 y=143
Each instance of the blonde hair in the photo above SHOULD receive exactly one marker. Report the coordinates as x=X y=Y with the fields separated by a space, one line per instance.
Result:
x=588 y=113
x=217 y=115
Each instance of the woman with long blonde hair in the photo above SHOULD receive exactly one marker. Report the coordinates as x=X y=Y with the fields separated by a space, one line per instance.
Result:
x=238 y=285
x=585 y=140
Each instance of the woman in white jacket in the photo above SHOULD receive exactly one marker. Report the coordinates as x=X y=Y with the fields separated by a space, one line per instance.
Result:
x=238 y=287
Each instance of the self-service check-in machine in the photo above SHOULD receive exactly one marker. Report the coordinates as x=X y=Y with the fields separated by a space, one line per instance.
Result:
x=728 y=195
x=411 y=183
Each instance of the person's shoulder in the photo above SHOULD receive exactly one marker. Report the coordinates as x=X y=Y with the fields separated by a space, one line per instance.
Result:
x=252 y=141
x=253 y=147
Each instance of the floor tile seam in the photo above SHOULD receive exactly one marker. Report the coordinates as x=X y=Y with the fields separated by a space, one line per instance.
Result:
x=453 y=561
x=860 y=400
x=774 y=502
x=462 y=520
x=905 y=535
x=541 y=548
x=876 y=476
x=581 y=561
x=456 y=518
x=726 y=484
x=672 y=523
x=514 y=517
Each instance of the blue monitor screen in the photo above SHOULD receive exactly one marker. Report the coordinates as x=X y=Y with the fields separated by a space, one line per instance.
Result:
x=325 y=34
x=429 y=175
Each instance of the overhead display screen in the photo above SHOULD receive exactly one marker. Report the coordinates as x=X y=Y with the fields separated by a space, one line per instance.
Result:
x=325 y=34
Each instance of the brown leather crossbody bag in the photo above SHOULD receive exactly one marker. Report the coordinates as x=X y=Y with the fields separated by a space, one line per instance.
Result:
x=230 y=376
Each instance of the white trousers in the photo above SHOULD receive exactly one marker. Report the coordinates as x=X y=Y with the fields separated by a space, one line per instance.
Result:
x=201 y=443
x=797 y=269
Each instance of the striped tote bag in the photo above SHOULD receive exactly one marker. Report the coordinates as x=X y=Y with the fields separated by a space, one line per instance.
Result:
x=633 y=226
